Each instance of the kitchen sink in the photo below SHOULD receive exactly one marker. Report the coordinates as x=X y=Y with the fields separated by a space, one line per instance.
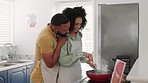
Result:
x=5 y=64
x=10 y=63
x=18 y=61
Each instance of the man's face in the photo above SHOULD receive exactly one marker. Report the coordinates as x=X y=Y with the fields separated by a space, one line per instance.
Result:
x=61 y=35
x=63 y=29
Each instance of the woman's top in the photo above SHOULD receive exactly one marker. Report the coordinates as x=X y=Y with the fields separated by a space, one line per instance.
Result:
x=72 y=51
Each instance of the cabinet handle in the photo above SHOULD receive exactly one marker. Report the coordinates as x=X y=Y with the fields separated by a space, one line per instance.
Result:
x=28 y=68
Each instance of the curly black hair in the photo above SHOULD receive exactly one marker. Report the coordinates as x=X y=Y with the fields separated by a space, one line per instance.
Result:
x=73 y=13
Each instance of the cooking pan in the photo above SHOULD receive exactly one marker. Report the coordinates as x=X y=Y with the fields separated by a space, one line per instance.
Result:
x=101 y=76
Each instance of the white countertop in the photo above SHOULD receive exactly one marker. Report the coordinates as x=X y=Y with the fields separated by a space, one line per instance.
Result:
x=138 y=73
x=15 y=65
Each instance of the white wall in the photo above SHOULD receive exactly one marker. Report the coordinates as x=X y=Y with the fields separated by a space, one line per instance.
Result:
x=25 y=36
x=143 y=25
x=143 y=32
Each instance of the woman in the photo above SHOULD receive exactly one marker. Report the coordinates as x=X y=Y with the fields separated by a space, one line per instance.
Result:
x=71 y=53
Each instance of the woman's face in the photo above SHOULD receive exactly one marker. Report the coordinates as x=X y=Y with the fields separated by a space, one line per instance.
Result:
x=78 y=23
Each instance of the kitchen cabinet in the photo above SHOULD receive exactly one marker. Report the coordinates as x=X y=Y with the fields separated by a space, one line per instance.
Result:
x=3 y=77
x=17 y=75
x=29 y=68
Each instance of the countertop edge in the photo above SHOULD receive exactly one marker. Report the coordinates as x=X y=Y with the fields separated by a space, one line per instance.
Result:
x=136 y=73
x=15 y=66
x=137 y=79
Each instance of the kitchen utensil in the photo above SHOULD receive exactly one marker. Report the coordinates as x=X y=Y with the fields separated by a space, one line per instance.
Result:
x=102 y=76
x=95 y=68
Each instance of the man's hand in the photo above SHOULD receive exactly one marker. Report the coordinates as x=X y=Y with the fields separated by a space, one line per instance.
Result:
x=61 y=41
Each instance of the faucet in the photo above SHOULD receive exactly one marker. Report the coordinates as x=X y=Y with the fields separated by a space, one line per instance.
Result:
x=10 y=54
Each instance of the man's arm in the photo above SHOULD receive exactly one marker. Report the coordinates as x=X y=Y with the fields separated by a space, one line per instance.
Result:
x=51 y=58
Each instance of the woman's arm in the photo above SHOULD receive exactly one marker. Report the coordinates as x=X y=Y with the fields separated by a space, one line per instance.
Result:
x=68 y=58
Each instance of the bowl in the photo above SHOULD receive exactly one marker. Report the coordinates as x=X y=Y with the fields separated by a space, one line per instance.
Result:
x=101 y=76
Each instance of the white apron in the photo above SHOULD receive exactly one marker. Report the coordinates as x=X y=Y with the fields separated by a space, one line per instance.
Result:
x=71 y=74
x=49 y=74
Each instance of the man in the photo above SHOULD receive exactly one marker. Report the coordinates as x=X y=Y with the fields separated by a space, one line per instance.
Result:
x=48 y=47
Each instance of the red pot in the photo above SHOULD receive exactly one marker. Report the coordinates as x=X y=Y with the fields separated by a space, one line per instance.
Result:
x=102 y=76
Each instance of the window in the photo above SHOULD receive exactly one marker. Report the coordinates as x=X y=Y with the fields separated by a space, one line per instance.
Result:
x=87 y=32
x=6 y=21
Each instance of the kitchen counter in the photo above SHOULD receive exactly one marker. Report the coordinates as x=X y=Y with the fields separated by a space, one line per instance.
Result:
x=87 y=80
x=15 y=65
x=138 y=73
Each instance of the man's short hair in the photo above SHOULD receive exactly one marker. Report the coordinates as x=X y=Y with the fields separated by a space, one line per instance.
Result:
x=59 y=19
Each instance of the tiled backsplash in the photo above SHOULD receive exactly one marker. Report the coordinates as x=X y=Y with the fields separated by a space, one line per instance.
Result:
x=25 y=56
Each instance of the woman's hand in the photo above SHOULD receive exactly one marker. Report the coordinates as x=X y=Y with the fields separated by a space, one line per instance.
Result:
x=88 y=55
x=91 y=63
